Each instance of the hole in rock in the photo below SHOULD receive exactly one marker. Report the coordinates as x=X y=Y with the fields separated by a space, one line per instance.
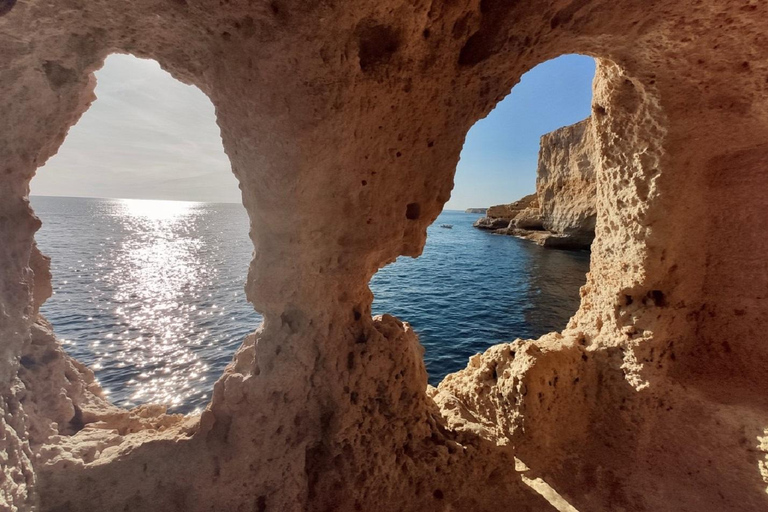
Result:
x=148 y=240
x=377 y=44
x=473 y=288
x=413 y=211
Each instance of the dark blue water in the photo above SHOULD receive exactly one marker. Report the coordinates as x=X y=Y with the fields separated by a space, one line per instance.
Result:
x=471 y=289
x=150 y=293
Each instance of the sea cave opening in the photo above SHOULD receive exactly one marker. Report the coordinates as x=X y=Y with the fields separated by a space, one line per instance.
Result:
x=473 y=287
x=148 y=240
x=148 y=287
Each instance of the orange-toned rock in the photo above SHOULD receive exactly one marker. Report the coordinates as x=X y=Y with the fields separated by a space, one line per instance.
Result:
x=501 y=215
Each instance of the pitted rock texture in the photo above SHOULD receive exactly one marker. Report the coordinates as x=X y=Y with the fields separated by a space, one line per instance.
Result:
x=562 y=212
x=344 y=123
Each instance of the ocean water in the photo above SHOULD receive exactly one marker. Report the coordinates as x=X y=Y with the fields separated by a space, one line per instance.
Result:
x=150 y=294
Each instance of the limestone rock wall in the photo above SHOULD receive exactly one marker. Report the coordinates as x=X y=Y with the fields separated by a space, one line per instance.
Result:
x=566 y=181
x=344 y=123
x=500 y=216
x=562 y=212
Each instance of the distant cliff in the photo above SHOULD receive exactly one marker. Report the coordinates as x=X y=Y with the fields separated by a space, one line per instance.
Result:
x=499 y=216
x=562 y=212
x=476 y=210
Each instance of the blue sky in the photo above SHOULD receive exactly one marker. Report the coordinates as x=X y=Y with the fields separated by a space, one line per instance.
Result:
x=148 y=136
x=498 y=162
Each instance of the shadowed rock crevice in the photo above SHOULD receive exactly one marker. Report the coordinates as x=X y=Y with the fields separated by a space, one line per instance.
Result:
x=490 y=36
x=6 y=6
x=377 y=45
x=57 y=74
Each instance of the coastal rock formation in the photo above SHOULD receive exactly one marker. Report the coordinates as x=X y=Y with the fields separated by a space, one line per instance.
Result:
x=476 y=210
x=566 y=181
x=500 y=216
x=344 y=123
x=492 y=223
x=530 y=218
x=562 y=212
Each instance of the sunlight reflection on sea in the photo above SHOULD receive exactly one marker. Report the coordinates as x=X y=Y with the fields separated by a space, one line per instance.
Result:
x=155 y=304
x=150 y=294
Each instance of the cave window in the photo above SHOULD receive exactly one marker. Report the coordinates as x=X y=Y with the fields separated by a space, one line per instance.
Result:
x=148 y=240
x=471 y=289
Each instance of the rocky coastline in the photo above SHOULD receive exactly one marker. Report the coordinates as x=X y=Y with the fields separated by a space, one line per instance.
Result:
x=561 y=213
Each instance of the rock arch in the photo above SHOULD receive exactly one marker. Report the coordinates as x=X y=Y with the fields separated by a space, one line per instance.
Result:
x=659 y=377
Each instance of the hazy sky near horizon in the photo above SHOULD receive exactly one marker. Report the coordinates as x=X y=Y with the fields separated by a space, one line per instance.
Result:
x=148 y=136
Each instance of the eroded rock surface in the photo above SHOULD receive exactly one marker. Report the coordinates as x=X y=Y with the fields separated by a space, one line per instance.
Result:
x=566 y=181
x=502 y=215
x=344 y=123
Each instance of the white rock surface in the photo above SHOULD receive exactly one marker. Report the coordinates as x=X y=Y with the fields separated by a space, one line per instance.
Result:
x=566 y=181
x=562 y=212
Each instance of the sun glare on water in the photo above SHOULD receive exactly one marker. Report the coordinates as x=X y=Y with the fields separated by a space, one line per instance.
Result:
x=158 y=276
x=157 y=210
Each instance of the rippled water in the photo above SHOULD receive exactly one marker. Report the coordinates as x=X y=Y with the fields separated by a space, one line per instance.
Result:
x=150 y=293
x=471 y=289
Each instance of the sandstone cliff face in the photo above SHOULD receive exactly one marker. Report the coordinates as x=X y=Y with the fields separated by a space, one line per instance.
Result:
x=566 y=181
x=501 y=215
x=564 y=205
x=344 y=123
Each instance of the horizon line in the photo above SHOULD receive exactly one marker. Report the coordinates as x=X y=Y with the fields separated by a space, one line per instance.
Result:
x=137 y=199
x=189 y=200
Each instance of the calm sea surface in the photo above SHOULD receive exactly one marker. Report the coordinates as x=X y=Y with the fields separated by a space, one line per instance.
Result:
x=150 y=293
